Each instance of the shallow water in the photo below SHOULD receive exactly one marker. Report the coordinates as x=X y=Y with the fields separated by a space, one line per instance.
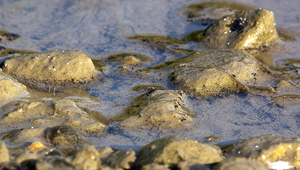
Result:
x=101 y=28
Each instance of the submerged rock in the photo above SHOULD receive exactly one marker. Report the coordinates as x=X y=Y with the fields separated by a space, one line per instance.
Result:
x=63 y=136
x=87 y=158
x=121 y=159
x=10 y=89
x=171 y=150
x=51 y=113
x=53 y=67
x=248 y=28
x=272 y=150
x=240 y=164
x=157 y=108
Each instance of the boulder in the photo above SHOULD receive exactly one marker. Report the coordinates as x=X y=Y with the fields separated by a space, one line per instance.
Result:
x=87 y=158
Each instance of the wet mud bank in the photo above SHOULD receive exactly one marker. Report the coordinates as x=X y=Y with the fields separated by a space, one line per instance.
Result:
x=153 y=101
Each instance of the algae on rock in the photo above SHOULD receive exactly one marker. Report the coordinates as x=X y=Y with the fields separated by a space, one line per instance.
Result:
x=171 y=150
x=53 y=67
x=157 y=108
x=248 y=28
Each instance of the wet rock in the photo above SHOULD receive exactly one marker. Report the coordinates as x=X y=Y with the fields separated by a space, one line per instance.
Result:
x=48 y=163
x=217 y=73
x=155 y=166
x=87 y=158
x=121 y=159
x=270 y=149
x=52 y=113
x=10 y=89
x=27 y=155
x=10 y=166
x=130 y=60
x=104 y=152
x=157 y=109
x=54 y=67
x=171 y=150
x=248 y=28
x=4 y=154
x=63 y=136
x=241 y=164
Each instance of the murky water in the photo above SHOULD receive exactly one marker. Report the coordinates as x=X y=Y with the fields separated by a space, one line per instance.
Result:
x=100 y=29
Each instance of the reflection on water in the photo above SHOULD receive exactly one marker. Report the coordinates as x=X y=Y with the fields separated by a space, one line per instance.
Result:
x=152 y=32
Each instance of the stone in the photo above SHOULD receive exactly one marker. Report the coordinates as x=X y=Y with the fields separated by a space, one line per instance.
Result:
x=274 y=151
x=171 y=150
x=234 y=163
x=154 y=166
x=11 y=89
x=62 y=112
x=87 y=158
x=4 y=154
x=63 y=136
x=130 y=61
x=244 y=29
x=157 y=108
x=53 y=67
x=121 y=159
x=191 y=165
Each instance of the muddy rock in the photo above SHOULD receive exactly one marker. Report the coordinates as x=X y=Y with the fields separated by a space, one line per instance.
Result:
x=63 y=135
x=171 y=150
x=11 y=89
x=50 y=113
x=224 y=73
x=241 y=164
x=121 y=159
x=270 y=149
x=4 y=155
x=157 y=108
x=244 y=29
x=54 y=67
x=87 y=158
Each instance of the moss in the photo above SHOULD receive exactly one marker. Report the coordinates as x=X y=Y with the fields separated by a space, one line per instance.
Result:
x=155 y=38
x=145 y=87
x=136 y=106
x=97 y=116
x=196 y=36
x=118 y=57
x=99 y=65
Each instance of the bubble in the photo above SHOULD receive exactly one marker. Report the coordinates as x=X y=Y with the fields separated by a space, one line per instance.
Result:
x=228 y=43
x=225 y=32
x=271 y=30
x=225 y=19
x=274 y=23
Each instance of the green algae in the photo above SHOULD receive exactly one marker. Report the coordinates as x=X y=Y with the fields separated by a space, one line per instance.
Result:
x=118 y=57
x=97 y=116
x=197 y=8
x=99 y=65
x=7 y=51
x=195 y=36
x=146 y=87
x=156 y=38
x=136 y=106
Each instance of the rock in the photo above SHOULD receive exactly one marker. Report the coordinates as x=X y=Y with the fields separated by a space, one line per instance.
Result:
x=63 y=136
x=52 y=113
x=9 y=166
x=270 y=149
x=87 y=158
x=218 y=73
x=171 y=150
x=155 y=166
x=121 y=159
x=244 y=29
x=4 y=154
x=104 y=152
x=191 y=165
x=130 y=60
x=10 y=89
x=47 y=163
x=240 y=164
x=53 y=67
x=157 y=109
